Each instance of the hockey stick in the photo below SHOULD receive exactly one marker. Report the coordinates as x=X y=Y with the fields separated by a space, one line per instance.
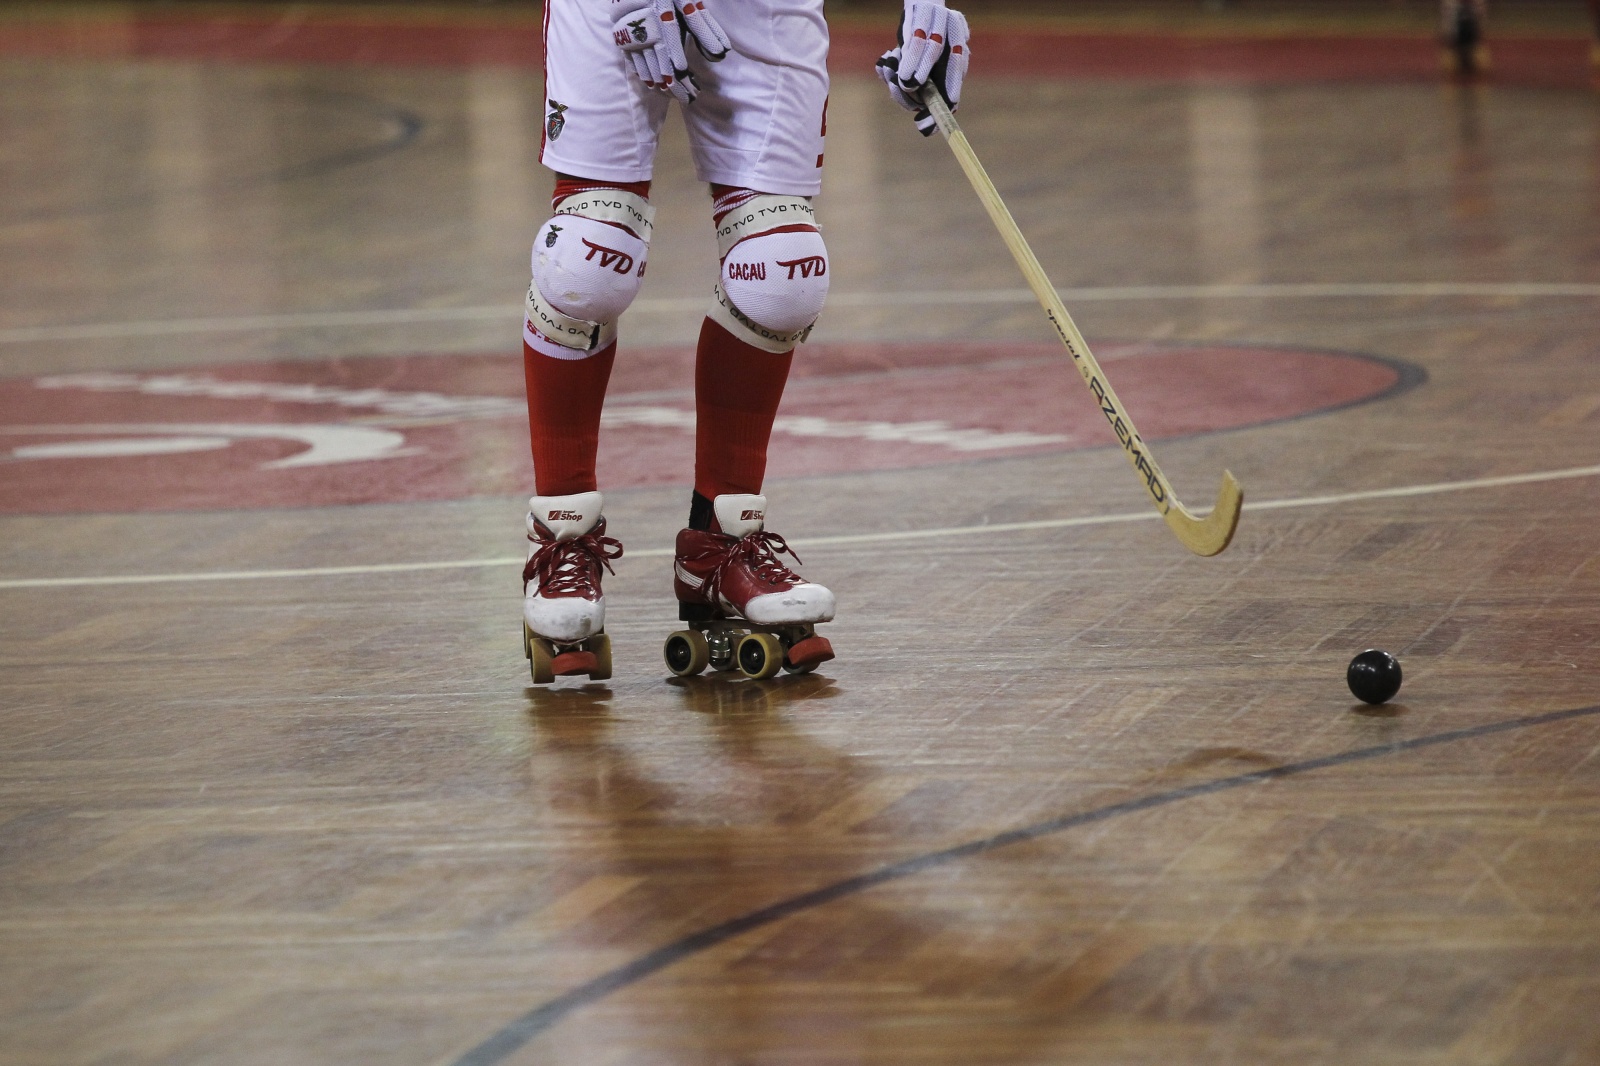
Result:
x=1203 y=536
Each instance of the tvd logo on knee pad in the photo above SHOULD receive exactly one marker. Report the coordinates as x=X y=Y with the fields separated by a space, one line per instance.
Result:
x=619 y=262
x=586 y=268
x=778 y=279
x=810 y=266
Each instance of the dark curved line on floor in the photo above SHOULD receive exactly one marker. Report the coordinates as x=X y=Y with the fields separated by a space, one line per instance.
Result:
x=405 y=127
x=543 y=1017
x=1408 y=376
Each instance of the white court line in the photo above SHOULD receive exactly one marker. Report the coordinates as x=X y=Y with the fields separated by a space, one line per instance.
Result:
x=507 y=312
x=845 y=540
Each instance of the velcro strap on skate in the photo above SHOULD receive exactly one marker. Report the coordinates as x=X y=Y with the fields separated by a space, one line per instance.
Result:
x=613 y=205
x=738 y=323
x=759 y=214
x=575 y=333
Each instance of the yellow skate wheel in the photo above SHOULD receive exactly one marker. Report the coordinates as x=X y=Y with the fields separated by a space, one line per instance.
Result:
x=601 y=647
x=527 y=641
x=760 y=655
x=540 y=654
x=686 y=652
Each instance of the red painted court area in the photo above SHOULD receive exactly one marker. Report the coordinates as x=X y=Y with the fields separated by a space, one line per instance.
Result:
x=436 y=427
x=299 y=36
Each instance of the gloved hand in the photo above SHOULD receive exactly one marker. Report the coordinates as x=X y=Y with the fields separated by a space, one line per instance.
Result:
x=651 y=34
x=933 y=50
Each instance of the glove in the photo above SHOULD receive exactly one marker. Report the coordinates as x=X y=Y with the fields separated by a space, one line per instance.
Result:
x=933 y=50
x=651 y=34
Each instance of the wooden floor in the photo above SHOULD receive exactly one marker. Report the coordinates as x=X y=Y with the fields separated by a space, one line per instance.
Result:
x=274 y=787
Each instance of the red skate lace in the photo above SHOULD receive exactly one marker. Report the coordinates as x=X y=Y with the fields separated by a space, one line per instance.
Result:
x=564 y=567
x=759 y=551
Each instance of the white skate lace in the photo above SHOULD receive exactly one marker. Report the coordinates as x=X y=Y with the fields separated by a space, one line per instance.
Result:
x=571 y=567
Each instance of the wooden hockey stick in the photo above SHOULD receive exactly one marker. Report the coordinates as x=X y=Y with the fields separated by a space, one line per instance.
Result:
x=1203 y=536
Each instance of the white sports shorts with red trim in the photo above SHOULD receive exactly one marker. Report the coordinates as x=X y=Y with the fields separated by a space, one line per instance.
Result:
x=758 y=122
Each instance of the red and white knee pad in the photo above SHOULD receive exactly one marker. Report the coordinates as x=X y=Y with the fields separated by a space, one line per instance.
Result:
x=774 y=270
x=588 y=264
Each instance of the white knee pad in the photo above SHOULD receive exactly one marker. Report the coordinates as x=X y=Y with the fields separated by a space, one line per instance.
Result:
x=587 y=269
x=774 y=272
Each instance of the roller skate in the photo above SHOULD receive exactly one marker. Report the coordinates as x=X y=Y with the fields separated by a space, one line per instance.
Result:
x=746 y=610
x=563 y=612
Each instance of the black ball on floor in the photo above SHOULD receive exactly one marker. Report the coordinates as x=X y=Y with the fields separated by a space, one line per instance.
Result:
x=1373 y=676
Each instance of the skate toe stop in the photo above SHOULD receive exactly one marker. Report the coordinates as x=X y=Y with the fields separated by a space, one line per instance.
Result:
x=809 y=652
x=574 y=662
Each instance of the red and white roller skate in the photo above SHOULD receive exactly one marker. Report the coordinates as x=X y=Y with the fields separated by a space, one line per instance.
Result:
x=746 y=609
x=563 y=611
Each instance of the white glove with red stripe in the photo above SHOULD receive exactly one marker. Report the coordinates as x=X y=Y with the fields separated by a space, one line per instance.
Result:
x=933 y=50
x=651 y=34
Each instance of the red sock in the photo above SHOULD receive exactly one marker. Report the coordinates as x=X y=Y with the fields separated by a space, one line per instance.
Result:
x=737 y=388
x=564 y=401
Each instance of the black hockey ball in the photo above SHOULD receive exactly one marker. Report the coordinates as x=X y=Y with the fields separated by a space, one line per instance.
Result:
x=1373 y=676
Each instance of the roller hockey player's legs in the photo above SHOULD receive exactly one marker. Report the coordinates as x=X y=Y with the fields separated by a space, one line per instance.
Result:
x=586 y=263
x=1594 y=30
x=746 y=608
x=1461 y=28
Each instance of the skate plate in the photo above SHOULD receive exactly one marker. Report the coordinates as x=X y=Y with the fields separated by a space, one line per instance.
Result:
x=757 y=651
x=548 y=660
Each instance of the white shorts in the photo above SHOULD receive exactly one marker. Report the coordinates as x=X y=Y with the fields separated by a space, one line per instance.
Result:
x=758 y=121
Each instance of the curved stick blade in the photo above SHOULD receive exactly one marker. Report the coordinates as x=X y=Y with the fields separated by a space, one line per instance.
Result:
x=1211 y=534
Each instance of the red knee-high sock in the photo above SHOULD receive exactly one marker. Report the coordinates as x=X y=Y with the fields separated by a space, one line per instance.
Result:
x=564 y=401
x=737 y=389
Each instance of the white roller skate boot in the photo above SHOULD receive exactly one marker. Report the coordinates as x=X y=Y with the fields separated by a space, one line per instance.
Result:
x=746 y=609
x=563 y=611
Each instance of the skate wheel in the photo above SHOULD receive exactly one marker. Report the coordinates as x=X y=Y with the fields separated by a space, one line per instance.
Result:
x=806 y=655
x=686 y=652
x=527 y=641
x=540 y=657
x=600 y=645
x=760 y=655
x=569 y=663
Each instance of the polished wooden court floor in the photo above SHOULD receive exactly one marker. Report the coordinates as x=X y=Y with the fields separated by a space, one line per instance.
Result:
x=274 y=785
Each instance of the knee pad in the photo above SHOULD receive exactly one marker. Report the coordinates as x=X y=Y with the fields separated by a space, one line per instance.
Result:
x=588 y=264
x=774 y=272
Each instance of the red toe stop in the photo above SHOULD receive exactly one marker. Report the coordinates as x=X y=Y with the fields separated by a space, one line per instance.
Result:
x=810 y=652
x=574 y=662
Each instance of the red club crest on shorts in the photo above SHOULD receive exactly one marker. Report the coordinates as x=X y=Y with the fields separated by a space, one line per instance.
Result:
x=557 y=120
